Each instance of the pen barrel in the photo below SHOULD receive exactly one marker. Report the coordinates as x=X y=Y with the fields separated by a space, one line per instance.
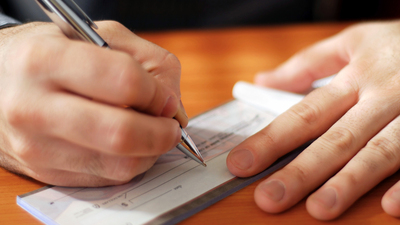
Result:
x=188 y=147
x=73 y=22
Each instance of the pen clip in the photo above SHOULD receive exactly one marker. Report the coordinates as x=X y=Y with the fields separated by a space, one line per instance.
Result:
x=79 y=12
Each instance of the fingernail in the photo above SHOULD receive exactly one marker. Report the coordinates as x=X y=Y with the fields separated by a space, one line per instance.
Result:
x=179 y=134
x=274 y=190
x=242 y=159
x=182 y=109
x=326 y=197
x=181 y=114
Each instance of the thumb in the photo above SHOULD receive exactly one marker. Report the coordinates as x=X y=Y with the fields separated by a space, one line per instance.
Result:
x=298 y=73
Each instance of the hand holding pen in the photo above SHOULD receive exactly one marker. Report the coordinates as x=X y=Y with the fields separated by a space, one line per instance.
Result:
x=77 y=25
x=51 y=131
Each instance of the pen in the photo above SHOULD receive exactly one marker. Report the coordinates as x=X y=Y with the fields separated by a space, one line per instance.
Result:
x=75 y=24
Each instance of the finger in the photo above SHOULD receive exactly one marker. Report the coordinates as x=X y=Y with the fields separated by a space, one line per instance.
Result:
x=391 y=200
x=71 y=179
x=110 y=76
x=54 y=176
x=100 y=127
x=303 y=122
x=49 y=153
x=297 y=74
x=181 y=116
x=327 y=155
x=377 y=160
x=157 y=61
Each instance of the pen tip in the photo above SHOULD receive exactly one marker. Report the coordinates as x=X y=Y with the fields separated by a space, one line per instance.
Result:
x=205 y=165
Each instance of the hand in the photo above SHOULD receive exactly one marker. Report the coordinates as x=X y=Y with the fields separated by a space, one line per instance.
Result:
x=61 y=120
x=355 y=121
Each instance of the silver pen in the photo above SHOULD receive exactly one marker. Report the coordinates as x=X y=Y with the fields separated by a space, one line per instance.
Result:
x=75 y=24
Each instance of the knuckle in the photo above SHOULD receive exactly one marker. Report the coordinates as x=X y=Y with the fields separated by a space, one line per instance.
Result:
x=384 y=147
x=267 y=138
x=20 y=115
x=130 y=78
x=31 y=55
x=15 y=115
x=306 y=112
x=172 y=60
x=348 y=178
x=298 y=171
x=338 y=91
x=341 y=139
x=25 y=150
x=356 y=74
x=386 y=152
x=166 y=64
x=120 y=138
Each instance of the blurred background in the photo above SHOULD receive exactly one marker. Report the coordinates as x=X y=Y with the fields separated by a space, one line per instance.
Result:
x=151 y=15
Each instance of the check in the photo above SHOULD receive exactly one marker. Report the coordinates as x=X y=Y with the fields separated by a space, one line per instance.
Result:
x=174 y=188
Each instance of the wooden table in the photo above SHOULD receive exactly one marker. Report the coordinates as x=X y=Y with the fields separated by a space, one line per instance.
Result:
x=212 y=61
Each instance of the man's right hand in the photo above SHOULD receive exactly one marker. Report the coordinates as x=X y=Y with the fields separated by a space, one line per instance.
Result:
x=61 y=120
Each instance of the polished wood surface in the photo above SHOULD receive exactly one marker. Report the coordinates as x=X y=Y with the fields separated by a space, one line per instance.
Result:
x=212 y=61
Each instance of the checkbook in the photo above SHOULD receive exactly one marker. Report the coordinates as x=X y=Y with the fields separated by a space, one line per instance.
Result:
x=176 y=187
